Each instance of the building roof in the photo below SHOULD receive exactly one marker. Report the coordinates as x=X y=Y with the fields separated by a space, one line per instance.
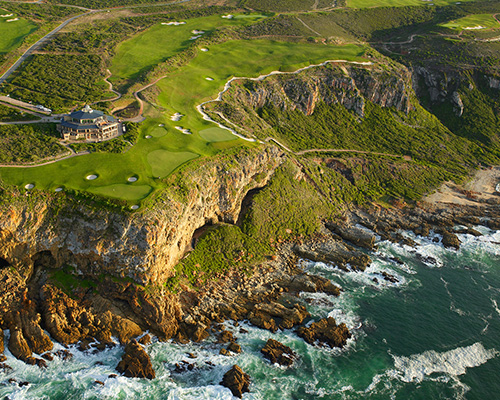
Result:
x=86 y=113
x=78 y=126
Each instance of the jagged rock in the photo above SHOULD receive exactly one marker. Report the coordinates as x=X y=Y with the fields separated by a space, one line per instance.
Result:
x=224 y=352
x=325 y=331
x=146 y=339
x=422 y=230
x=274 y=316
x=277 y=352
x=18 y=345
x=99 y=382
x=5 y=368
x=389 y=277
x=3 y=358
x=236 y=381
x=353 y=234
x=136 y=363
x=225 y=337
x=64 y=355
x=451 y=240
x=494 y=224
x=48 y=356
x=335 y=252
x=311 y=284
x=1 y=341
x=234 y=347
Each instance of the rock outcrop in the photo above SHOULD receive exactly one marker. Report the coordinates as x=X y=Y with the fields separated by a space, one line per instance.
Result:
x=278 y=353
x=236 y=381
x=326 y=332
x=136 y=363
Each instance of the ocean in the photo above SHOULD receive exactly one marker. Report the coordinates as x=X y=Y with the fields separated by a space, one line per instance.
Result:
x=433 y=335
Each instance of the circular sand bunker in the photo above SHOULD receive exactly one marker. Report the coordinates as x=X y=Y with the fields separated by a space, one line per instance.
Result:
x=59 y=189
x=91 y=177
x=29 y=186
x=134 y=207
x=149 y=137
x=132 y=179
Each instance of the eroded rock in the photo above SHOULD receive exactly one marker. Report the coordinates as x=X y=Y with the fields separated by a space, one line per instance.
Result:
x=136 y=363
x=278 y=353
x=325 y=331
x=237 y=381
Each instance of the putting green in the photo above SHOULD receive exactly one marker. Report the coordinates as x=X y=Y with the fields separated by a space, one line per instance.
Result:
x=399 y=3
x=164 y=162
x=159 y=131
x=217 y=135
x=473 y=22
x=123 y=191
x=13 y=33
x=163 y=41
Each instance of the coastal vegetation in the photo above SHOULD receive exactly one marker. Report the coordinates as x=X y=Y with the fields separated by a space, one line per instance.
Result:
x=28 y=143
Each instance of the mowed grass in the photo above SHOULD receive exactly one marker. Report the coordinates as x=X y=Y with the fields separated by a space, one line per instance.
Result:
x=486 y=21
x=188 y=87
x=13 y=33
x=161 y=148
x=399 y=3
x=160 y=42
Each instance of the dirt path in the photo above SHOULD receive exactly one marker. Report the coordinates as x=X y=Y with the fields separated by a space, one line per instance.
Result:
x=110 y=87
x=308 y=27
x=73 y=154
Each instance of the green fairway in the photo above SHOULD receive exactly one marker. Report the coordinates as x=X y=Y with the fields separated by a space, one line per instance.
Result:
x=216 y=135
x=163 y=162
x=399 y=3
x=163 y=41
x=162 y=146
x=13 y=33
x=473 y=22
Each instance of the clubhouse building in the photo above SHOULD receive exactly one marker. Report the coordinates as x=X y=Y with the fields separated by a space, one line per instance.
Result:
x=89 y=125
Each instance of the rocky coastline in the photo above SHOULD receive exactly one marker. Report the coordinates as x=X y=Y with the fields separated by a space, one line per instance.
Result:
x=36 y=312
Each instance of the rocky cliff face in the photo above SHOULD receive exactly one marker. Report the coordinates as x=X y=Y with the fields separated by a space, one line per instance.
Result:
x=144 y=245
x=334 y=83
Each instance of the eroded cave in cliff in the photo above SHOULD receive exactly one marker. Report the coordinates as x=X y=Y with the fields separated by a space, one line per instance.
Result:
x=4 y=263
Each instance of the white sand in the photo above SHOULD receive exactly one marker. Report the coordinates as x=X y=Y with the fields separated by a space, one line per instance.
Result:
x=91 y=177
x=29 y=186
x=132 y=179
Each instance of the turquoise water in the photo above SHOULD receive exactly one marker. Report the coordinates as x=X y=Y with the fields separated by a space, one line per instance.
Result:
x=434 y=335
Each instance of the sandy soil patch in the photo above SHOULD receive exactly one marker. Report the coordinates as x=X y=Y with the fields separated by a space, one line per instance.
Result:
x=482 y=187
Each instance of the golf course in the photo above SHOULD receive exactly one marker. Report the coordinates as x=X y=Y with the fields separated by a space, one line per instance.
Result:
x=179 y=133
x=472 y=22
x=399 y=3
x=13 y=30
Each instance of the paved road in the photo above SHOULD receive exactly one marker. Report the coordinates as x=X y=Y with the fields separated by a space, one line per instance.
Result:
x=38 y=44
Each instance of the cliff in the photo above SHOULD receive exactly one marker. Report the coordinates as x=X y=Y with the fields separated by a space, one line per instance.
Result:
x=350 y=85
x=145 y=245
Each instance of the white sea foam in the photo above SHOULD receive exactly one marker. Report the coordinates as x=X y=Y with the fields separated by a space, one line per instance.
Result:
x=454 y=362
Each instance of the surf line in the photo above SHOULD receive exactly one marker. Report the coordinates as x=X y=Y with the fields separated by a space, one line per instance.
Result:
x=227 y=86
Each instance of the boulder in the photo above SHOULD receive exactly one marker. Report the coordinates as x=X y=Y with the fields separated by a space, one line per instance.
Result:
x=451 y=240
x=146 y=339
x=136 y=363
x=236 y=381
x=1 y=341
x=234 y=347
x=325 y=331
x=277 y=352
x=225 y=337
x=274 y=316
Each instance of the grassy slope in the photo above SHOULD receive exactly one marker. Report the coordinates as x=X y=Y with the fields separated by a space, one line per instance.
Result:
x=13 y=33
x=163 y=41
x=471 y=21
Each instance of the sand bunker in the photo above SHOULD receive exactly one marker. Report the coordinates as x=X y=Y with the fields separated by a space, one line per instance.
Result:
x=148 y=136
x=6 y=15
x=195 y=37
x=176 y=117
x=91 y=177
x=59 y=189
x=13 y=19
x=132 y=179
x=29 y=186
x=134 y=207
x=174 y=23
x=183 y=130
x=228 y=16
x=209 y=79
x=473 y=28
x=196 y=32
x=204 y=49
